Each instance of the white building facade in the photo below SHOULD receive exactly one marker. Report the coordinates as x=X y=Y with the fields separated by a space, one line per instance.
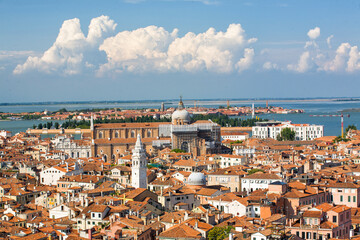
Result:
x=258 y=181
x=303 y=132
x=73 y=148
x=50 y=176
x=227 y=160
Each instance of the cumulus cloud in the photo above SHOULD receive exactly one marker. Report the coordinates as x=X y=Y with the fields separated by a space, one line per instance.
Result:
x=6 y=55
x=9 y=59
x=245 y=62
x=150 y=48
x=303 y=64
x=67 y=53
x=314 y=33
x=328 y=40
x=141 y=49
x=340 y=59
x=155 y=49
x=353 y=63
x=346 y=58
x=270 y=66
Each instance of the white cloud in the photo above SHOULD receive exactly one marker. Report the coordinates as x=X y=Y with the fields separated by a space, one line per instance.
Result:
x=150 y=48
x=328 y=40
x=303 y=64
x=154 y=49
x=9 y=59
x=6 y=55
x=310 y=44
x=141 y=49
x=67 y=53
x=270 y=66
x=339 y=61
x=245 y=62
x=346 y=58
x=353 y=63
x=314 y=33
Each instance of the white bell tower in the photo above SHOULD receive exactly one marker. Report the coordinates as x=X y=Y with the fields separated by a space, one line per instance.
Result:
x=139 y=165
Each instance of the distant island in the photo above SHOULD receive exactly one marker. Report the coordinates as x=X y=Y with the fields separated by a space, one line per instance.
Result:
x=347 y=100
x=350 y=110
x=169 y=101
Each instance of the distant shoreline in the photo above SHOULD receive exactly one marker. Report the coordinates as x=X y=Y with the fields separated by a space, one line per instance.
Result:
x=335 y=99
x=350 y=110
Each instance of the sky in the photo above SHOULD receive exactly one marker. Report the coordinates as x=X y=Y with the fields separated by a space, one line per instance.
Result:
x=88 y=50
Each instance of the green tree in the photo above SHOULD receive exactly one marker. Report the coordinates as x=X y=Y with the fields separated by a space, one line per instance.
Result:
x=255 y=170
x=40 y=126
x=56 y=125
x=340 y=139
x=353 y=127
x=219 y=233
x=49 y=125
x=176 y=150
x=286 y=134
x=62 y=110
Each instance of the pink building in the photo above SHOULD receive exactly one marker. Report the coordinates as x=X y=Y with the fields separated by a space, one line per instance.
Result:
x=345 y=193
x=323 y=222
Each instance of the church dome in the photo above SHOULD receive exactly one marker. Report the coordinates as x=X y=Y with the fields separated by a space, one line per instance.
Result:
x=197 y=178
x=181 y=115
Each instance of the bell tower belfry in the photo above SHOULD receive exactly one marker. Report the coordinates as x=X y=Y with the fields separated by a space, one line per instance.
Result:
x=139 y=165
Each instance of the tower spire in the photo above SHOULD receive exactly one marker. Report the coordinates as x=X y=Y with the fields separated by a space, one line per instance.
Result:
x=138 y=144
x=92 y=122
x=139 y=163
x=181 y=104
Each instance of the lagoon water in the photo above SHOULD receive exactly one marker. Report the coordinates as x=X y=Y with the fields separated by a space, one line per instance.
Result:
x=312 y=107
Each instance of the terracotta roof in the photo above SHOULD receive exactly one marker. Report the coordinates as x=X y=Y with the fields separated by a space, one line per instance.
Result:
x=261 y=175
x=130 y=125
x=181 y=231
x=312 y=214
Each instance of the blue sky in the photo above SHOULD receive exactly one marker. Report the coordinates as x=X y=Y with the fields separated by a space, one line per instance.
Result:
x=159 y=49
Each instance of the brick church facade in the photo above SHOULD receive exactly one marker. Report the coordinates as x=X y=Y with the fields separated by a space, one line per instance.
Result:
x=114 y=140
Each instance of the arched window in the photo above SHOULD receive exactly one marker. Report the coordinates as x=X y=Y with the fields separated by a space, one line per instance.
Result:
x=185 y=147
x=116 y=134
x=105 y=158
x=149 y=133
x=132 y=133
x=113 y=157
x=101 y=135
